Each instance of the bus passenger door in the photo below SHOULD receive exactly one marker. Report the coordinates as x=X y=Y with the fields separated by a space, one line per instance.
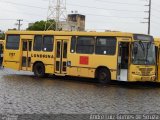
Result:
x=1 y=54
x=158 y=62
x=61 y=57
x=123 y=61
x=26 y=54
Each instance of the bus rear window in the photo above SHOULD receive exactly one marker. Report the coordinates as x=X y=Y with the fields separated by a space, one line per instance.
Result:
x=13 y=42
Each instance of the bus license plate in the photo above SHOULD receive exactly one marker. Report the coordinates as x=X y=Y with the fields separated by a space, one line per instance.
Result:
x=145 y=78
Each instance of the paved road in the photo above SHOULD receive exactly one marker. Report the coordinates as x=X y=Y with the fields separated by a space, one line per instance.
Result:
x=22 y=93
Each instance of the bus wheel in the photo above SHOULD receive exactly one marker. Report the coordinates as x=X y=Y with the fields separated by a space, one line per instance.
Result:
x=104 y=75
x=39 y=70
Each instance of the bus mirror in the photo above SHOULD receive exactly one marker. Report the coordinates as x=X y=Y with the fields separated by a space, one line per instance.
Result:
x=135 y=50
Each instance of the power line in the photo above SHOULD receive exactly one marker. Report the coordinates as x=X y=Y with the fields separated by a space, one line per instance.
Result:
x=112 y=22
x=155 y=16
x=118 y=10
x=156 y=4
x=21 y=4
x=112 y=16
x=157 y=10
x=6 y=10
x=155 y=26
x=92 y=7
x=122 y=3
x=24 y=20
x=7 y=19
x=155 y=22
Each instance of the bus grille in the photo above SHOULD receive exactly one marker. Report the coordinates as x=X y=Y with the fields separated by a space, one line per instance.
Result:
x=146 y=71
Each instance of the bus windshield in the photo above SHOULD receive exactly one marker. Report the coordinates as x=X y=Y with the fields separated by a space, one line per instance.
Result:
x=143 y=53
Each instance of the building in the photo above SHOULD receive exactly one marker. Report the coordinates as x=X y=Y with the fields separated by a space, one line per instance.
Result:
x=75 y=22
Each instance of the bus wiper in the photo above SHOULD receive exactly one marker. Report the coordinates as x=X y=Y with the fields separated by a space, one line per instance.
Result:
x=148 y=47
x=144 y=60
x=142 y=45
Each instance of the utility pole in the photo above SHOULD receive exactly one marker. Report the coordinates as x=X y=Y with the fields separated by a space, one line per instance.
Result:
x=19 y=24
x=149 y=16
x=149 y=20
x=56 y=12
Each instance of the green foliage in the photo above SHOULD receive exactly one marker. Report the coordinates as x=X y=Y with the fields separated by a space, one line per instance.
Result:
x=40 y=25
x=2 y=36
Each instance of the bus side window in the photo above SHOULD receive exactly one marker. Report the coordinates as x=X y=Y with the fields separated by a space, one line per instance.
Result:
x=85 y=45
x=30 y=45
x=106 y=45
x=1 y=49
x=1 y=54
x=12 y=42
x=25 y=46
x=37 y=43
x=73 y=44
x=48 y=43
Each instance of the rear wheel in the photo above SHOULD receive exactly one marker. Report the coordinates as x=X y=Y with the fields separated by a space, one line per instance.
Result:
x=39 y=70
x=103 y=75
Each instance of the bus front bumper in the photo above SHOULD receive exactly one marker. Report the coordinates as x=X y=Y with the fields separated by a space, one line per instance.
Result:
x=138 y=78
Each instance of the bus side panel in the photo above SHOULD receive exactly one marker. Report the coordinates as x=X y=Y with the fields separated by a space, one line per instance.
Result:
x=158 y=58
x=158 y=72
x=92 y=63
x=49 y=69
x=12 y=59
x=47 y=58
x=85 y=65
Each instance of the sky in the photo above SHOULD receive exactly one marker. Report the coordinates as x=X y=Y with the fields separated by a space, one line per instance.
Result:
x=101 y=15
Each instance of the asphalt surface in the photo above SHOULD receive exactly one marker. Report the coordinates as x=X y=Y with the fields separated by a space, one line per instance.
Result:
x=22 y=93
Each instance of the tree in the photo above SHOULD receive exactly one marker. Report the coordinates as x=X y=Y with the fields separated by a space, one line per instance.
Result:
x=40 y=25
x=2 y=36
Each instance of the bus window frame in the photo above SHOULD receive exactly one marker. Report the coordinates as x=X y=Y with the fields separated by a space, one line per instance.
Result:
x=13 y=42
x=34 y=43
x=47 y=44
x=116 y=41
x=75 y=44
x=85 y=45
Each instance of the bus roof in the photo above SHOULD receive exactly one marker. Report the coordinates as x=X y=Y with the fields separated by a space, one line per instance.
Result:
x=67 y=33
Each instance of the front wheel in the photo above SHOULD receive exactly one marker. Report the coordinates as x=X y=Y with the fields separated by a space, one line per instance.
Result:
x=103 y=75
x=39 y=70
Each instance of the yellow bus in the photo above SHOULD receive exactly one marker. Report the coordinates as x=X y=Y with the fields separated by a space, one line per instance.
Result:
x=102 y=55
x=1 y=51
x=157 y=43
